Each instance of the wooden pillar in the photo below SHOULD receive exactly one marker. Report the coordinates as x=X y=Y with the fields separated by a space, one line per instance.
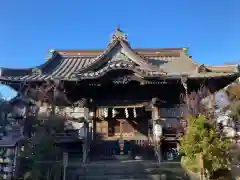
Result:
x=89 y=114
x=178 y=146
x=184 y=83
x=86 y=135
x=156 y=123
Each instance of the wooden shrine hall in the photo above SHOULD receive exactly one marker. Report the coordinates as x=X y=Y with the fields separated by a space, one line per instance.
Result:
x=127 y=92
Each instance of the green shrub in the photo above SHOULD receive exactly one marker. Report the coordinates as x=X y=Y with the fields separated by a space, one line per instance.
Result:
x=203 y=138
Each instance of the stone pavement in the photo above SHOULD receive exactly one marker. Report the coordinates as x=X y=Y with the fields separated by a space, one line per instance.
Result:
x=236 y=171
x=124 y=170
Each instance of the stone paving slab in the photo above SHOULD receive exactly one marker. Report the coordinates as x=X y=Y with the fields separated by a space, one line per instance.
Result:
x=126 y=170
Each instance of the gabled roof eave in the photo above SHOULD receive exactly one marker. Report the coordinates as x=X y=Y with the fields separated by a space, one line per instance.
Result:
x=27 y=71
x=127 y=50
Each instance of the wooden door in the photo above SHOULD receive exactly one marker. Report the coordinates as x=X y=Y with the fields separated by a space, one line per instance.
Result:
x=124 y=128
x=120 y=127
x=102 y=128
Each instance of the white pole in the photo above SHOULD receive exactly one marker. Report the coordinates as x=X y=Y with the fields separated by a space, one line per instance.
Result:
x=64 y=173
x=65 y=164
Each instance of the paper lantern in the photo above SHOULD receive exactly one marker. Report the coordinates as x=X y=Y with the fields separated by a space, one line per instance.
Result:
x=126 y=113
x=134 y=113
x=158 y=130
x=105 y=112
x=114 y=113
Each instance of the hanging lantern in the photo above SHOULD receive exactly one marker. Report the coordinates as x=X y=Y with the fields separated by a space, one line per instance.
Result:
x=7 y=160
x=134 y=113
x=114 y=113
x=5 y=176
x=126 y=113
x=158 y=130
x=105 y=112
x=22 y=148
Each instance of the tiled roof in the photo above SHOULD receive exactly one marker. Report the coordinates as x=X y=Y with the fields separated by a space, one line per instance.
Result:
x=68 y=64
x=59 y=67
x=64 y=66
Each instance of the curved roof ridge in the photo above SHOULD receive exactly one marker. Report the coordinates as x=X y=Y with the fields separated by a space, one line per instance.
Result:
x=29 y=70
x=220 y=68
x=96 y=52
x=133 y=55
x=128 y=50
x=196 y=64
x=224 y=65
x=16 y=69
x=226 y=68
x=110 y=46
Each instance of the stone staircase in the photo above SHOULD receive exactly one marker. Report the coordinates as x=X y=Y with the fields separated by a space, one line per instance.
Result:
x=67 y=137
x=11 y=136
x=124 y=170
x=15 y=131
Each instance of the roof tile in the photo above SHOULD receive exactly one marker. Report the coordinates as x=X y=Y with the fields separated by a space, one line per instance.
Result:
x=65 y=63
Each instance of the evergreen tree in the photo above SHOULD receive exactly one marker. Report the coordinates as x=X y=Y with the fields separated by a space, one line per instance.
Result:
x=203 y=142
x=41 y=157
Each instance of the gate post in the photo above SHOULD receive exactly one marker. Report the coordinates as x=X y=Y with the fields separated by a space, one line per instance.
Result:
x=157 y=128
x=88 y=129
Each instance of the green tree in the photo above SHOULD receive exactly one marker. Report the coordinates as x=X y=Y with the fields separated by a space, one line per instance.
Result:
x=203 y=142
x=234 y=91
x=41 y=157
x=234 y=95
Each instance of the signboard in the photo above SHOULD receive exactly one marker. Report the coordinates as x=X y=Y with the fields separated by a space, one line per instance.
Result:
x=158 y=130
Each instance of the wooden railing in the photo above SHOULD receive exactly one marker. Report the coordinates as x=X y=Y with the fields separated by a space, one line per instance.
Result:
x=67 y=137
x=104 y=150
x=172 y=112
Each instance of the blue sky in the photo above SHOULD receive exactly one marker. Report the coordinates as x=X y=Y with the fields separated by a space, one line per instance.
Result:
x=28 y=29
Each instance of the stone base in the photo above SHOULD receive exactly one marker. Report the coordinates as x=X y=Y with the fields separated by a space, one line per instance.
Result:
x=122 y=157
x=138 y=157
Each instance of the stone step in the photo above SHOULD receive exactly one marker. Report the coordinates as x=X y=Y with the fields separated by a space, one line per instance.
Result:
x=114 y=172
x=121 y=177
x=118 y=170
x=14 y=133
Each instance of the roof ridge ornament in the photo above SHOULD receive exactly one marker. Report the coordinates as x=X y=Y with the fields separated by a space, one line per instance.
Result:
x=51 y=54
x=36 y=71
x=236 y=69
x=51 y=51
x=119 y=34
x=201 y=68
x=186 y=51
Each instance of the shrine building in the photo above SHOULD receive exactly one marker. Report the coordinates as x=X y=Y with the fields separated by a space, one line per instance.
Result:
x=127 y=91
